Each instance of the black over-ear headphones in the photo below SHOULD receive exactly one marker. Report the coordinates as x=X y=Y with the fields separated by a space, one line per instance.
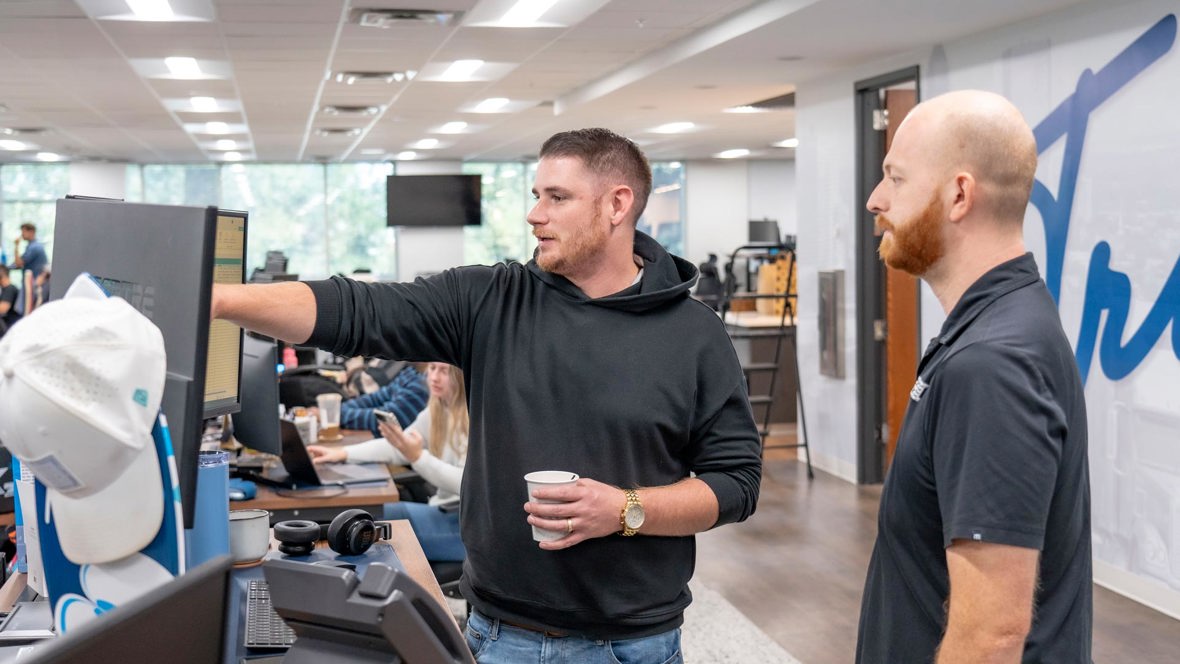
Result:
x=351 y=533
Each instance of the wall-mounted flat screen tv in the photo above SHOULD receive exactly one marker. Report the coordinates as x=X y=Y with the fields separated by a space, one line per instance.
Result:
x=433 y=200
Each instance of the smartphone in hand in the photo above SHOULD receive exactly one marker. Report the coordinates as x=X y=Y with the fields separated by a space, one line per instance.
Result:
x=384 y=416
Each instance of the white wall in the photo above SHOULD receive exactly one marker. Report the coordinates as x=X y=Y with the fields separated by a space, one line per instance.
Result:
x=102 y=179
x=722 y=196
x=772 y=193
x=428 y=250
x=716 y=208
x=1121 y=255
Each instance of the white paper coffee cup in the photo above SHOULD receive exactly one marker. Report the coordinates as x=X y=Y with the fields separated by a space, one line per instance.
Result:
x=547 y=478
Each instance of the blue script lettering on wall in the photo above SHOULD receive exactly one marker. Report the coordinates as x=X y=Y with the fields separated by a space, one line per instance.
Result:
x=1106 y=289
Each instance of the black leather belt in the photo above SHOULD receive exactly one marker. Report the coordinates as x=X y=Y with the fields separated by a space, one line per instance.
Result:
x=549 y=633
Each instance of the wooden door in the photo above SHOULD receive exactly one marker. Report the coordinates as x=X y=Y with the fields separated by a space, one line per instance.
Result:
x=901 y=309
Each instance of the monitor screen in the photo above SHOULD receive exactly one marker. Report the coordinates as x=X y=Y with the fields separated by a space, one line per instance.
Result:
x=764 y=231
x=256 y=425
x=433 y=200
x=180 y=622
x=225 y=338
x=163 y=260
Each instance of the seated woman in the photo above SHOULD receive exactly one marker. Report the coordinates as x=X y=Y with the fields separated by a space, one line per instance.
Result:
x=435 y=446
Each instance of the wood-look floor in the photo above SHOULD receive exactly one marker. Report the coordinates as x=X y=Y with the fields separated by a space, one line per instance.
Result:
x=796 y=568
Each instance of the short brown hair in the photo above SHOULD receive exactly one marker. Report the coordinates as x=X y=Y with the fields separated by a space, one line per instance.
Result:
x=607 y=154
x=28 y=227
x=3 y=270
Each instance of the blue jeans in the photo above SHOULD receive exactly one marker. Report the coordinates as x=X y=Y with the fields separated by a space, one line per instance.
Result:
x=493 y=642
x=437 y=531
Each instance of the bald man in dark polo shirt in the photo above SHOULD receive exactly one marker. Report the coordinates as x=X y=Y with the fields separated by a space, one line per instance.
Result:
x=983 y=544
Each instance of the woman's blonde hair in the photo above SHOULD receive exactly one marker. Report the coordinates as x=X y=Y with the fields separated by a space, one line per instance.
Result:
x=448 y=418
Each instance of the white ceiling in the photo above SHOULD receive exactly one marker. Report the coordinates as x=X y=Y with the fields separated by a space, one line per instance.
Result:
x=630 y=65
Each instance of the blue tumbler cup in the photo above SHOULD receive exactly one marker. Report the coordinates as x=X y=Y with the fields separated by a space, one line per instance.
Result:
x=209 y=536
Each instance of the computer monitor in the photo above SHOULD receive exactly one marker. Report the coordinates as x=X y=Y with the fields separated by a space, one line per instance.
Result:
x=764 y=231
x=164 y=259
x=181 y=622
x=256 y=425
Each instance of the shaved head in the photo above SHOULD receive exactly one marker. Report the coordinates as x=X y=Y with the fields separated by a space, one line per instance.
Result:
x=984 y=134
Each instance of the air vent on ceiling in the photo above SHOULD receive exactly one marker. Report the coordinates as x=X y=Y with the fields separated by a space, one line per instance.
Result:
x=779 y=103
x=388 y=18
x=334 y=132
x=352 y=77
x=22 y=131
x=339 y=109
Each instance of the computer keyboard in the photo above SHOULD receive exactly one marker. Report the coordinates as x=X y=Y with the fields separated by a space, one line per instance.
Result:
x=264 y=627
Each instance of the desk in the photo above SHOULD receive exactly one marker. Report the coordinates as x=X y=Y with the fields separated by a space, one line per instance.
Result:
x=322 y=504
x=402 y=540
x=319 y=505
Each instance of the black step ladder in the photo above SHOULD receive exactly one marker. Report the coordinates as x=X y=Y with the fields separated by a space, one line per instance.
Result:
x=780 y=333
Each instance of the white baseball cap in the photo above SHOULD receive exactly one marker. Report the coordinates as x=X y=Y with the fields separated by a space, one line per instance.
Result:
x=81 y=380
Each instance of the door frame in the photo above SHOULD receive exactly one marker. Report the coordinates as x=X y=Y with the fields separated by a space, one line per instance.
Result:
x=870 y=277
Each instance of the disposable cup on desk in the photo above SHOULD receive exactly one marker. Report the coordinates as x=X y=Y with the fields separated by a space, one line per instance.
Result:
x=329 y=407
x=308 y=428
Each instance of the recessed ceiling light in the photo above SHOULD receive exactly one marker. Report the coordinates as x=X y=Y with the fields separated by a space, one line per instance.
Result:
x=14 y=146
x=183 y=67
x=407 y=154
x=151 y=10
x=49 y=156
x=491 y=105
x=232 y=156
x=203 y=104
x=732 y=154
x=460 y=70
x=426 y=144
x=526 y=12
x=373 y=151
x=226 y=144
x=787 y=143
x=452 y=127
x=216 y=128
x=673 y=127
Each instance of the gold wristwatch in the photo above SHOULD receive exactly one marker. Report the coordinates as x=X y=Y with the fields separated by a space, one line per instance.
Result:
x=632 y=517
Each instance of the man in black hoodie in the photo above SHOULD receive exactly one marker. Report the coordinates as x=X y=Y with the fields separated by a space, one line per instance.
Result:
x=591 y=358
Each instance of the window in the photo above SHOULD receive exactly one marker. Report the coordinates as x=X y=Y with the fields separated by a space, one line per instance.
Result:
x=507 y=199
x=327 y=219
x=663 y=219
x=29 y=195
x=357 y=235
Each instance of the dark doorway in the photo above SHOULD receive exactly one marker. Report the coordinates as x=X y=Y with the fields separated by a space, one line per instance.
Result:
x=887 y=325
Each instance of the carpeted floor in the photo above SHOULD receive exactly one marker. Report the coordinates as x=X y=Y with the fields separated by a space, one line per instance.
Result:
x=717 y=633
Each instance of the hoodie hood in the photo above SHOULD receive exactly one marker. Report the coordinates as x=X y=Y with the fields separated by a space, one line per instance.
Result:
x=665 y=278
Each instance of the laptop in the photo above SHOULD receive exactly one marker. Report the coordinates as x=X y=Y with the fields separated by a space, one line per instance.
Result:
x=299 y=471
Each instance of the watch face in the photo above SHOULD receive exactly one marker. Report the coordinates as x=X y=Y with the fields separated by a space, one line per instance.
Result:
x=634 y=517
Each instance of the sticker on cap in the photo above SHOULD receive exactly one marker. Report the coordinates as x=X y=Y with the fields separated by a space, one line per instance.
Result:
x=54 y=474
